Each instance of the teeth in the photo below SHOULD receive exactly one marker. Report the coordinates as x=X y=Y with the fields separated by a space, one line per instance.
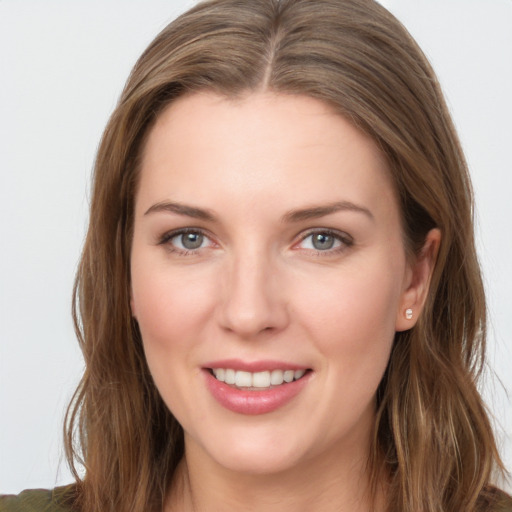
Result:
x=276 y=377
x=298 y=374
x=220 y=373
x=229 y=376
x=243 y=379
x=261 y=379
x=264 y=379
x=288 y=375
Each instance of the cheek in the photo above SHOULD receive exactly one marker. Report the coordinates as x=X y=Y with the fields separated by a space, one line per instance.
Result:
x=171 y=310
x=170 y=306
x=351 y=316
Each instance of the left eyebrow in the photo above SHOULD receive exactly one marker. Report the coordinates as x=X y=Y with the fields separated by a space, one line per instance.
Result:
x=316 y=212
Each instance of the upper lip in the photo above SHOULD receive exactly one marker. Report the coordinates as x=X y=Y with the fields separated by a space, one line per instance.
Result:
x=254 y=366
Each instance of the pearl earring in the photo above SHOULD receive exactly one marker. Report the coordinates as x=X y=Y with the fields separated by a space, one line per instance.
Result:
x=408 y=313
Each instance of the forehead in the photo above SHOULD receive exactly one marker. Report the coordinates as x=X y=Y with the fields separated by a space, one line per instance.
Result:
x=291 y=148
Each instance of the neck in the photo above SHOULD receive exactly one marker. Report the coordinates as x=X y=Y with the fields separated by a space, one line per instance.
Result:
x=336 y=482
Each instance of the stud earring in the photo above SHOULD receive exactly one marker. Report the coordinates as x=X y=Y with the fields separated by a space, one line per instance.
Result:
x=408 y=313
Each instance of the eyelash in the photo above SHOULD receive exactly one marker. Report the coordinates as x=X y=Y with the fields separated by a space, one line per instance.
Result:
x=167 y=237
x=345 y=240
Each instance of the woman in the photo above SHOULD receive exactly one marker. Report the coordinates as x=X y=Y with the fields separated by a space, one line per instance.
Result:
x=279 y=302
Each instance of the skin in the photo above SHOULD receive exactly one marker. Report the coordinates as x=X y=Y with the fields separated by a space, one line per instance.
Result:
x=258 y=289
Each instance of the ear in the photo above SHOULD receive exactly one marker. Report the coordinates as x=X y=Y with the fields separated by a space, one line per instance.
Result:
x=417 y=282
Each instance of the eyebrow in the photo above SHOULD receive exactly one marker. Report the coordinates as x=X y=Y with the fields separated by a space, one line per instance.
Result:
x=182 y=209
x=292 y=216
x=316 y=212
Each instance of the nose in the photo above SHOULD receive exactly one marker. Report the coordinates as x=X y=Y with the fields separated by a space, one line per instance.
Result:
x=254 y=298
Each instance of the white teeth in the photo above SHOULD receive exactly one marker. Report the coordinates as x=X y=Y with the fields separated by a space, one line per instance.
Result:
x=262 y=380
x=229 y=377
x=288 y=375
x=298 y=374
x=220 y=373
x=243 y=379
x=276 y=377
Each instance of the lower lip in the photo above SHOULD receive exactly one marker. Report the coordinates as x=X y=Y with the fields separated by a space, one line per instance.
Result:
x=254 y=402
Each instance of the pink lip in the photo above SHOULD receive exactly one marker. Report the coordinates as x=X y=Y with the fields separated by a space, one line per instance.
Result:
x=254 y=366
x=253 y=402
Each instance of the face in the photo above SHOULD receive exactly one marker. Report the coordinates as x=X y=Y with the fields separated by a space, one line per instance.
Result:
x=268 y=277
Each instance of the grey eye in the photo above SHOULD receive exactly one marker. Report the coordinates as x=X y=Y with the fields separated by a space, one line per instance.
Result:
x=191 y=240
x=322 y=241
x=188 y=241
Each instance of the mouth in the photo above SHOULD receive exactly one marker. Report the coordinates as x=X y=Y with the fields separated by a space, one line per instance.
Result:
x=256 y=381
x=257 y=387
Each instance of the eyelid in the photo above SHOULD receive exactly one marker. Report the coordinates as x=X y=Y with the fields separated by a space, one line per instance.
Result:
x=169 y=235
x=343 y=237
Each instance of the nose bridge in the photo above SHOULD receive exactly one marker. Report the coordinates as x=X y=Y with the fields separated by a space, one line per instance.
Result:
x=253 y=301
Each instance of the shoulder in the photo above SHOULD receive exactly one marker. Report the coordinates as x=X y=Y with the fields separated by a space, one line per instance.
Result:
x=495 y=500
x=39 y=500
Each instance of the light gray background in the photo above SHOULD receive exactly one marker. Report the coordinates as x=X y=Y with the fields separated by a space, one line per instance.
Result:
x=62 y=67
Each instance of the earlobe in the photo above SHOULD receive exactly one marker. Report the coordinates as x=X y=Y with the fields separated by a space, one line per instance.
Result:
x=416 y=291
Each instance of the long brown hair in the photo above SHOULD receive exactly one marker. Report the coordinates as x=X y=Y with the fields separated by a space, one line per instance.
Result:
x=432 y=436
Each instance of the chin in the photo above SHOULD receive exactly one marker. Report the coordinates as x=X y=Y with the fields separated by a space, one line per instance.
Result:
x=258 y=464
x=254 y=453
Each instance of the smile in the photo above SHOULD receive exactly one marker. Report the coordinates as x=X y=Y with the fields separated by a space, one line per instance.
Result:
x=256 y=380
x=257 y=387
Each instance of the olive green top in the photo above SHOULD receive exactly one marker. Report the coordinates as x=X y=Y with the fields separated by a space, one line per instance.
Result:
x=60 y=499
x=39 y=500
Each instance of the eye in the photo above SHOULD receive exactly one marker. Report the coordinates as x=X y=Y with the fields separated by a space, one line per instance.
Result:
x=186 y=240
x=325 y=241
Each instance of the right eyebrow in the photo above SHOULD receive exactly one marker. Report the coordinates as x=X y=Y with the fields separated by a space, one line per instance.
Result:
x=182 y=209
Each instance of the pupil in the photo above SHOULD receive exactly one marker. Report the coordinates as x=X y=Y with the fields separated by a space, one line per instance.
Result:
x=192 y=240
x=323 y=242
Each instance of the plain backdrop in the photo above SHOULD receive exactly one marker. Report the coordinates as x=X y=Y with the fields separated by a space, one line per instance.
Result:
x=62 y=67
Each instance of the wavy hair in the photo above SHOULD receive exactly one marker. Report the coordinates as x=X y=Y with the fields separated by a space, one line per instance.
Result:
x=432 y=436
